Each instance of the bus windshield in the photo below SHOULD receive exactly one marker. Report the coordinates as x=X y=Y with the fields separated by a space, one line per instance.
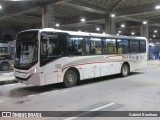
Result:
x=26 y=49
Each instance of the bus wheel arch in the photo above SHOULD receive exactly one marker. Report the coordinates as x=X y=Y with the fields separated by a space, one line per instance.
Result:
x=4 y=65
x=125 y=69
x=71 y=77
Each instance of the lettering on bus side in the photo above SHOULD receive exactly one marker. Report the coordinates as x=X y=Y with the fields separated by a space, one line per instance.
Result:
x=133 y=57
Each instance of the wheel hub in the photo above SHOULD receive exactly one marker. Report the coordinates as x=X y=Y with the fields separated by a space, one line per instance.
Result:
x=70 y=79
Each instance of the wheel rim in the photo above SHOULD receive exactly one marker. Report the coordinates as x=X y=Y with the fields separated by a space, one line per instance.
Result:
x=4 y=66
x=125 y=70
x=70 y=79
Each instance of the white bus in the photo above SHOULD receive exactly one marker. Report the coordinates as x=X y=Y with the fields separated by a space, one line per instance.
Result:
x=47 y=56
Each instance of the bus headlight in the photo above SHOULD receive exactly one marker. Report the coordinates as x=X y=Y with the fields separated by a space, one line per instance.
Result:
x=33 y=71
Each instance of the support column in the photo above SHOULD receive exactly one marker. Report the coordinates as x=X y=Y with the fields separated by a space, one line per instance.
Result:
x=110 y=25
x=144 y=31
x=48 y=18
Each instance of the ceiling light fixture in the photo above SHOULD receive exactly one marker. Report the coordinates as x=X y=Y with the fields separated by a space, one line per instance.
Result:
x=145 y=22
x=132 y=33
x=16 y=0
x=112 y=15
x=0 y=6
x=119 y=31
x=157 y=7
x=155 y=31
x=123 y=25
x=83 y=19
x=57 y=25
x=97 y=29
x=154 y=36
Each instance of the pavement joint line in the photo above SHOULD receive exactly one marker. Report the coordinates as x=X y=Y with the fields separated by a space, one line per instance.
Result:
x=95 y=109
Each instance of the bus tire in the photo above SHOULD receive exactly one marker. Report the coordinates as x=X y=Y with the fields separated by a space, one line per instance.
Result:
x=125 y=70
x=70 y=79
x=4 y=66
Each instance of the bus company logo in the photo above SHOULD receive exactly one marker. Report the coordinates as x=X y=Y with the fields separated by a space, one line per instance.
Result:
x=6 y=114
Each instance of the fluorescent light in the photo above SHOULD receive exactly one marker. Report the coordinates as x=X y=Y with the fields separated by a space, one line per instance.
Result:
x=112 y=15
x=79 y=31
x=133 y=33
x=157 y=7
x=0 y=6
x=83 y=19
x=154 y=36
x=104 y=33
x=117 y=34
x=145 y=22
x=15 y=0
x=119 y=31
x=57 y=25
x=123 y=25
x=155 y=31
x=97 y=29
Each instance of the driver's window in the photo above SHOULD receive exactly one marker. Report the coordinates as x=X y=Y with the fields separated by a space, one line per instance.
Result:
x=44 y=52
x=54 y=48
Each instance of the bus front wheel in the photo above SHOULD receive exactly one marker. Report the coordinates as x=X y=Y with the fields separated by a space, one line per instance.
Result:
x=4 y=66
x=70 y=78
x=125 y=70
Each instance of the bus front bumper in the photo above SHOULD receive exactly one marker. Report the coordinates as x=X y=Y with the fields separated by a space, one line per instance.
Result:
x=33 y=79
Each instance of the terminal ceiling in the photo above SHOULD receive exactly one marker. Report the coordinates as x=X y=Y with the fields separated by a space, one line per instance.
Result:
x=26 y=14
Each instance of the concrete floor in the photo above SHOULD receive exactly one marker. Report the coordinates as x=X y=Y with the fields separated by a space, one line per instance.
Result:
x=140 y=91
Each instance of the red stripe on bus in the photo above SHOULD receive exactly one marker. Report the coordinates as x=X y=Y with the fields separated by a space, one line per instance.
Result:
x=113 y=56
x=88 y=63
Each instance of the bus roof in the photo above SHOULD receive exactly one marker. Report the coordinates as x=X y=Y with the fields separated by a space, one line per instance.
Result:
x=87 y=34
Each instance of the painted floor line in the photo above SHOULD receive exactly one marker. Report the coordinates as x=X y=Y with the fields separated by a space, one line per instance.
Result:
x=42 y=93
x=48 y=92
x=95 y=109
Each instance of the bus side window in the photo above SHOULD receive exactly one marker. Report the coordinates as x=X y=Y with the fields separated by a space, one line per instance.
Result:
x=134 y=46
x=96 y=46
x=122 y=46
x=111 y=46
x=75 y=46
x=142 y=46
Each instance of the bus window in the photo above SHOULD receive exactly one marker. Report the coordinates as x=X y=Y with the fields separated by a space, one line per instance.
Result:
x=104 y=47
x=54 y=47
x=44 y=52
x=75 y=46
x=110 y=45
x=134 y=46
x=96 y=46
x=122 y=46
x=143 y=46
